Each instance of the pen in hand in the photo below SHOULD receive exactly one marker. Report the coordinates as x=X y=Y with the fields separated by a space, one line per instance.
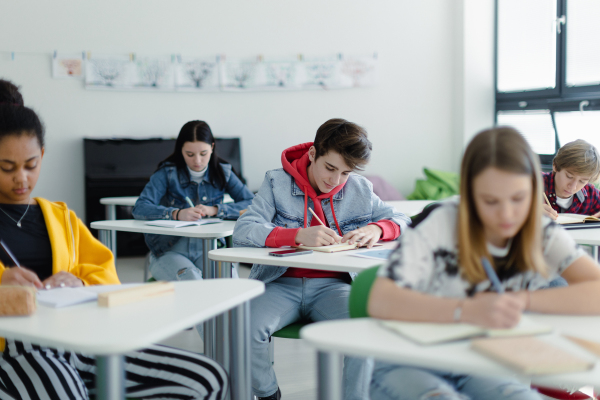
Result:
x=33 y=278
x=319 y=219
x=189 y=202
x=10 y=254
x=492 y=276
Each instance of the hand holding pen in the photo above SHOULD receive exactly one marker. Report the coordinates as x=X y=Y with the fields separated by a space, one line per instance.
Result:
x=189 y=214
x=493 y=310
x=317 y=235
x=194 y=213
x=18 y=275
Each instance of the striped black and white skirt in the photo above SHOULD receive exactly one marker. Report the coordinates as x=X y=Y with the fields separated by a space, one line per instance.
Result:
x=158 y=372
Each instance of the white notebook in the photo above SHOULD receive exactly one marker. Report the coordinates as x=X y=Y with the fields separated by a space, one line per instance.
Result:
x=166 y=223
x=64 y=297
x=431 y=333
x=567 y=218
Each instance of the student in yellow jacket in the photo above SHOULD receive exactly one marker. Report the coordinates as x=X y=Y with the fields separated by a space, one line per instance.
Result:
x=55 y=249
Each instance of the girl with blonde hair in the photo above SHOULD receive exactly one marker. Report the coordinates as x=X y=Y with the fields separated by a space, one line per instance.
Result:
x=436 y=273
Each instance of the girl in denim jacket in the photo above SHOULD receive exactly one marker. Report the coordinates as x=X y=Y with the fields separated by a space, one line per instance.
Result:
x=195 y=171
x=436 y=273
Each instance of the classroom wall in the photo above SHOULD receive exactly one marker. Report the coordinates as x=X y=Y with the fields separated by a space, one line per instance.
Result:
x=418 y=115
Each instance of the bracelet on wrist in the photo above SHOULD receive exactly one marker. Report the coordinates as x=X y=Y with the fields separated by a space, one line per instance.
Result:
x=458 y=310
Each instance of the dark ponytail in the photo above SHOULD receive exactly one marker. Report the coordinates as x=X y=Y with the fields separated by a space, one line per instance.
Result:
x=197 y=131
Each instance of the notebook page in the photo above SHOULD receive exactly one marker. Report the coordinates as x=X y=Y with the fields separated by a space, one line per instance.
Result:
x=430 y=333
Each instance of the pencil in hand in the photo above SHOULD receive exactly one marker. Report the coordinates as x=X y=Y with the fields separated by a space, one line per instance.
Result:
x=547 y=201
x=318 y=219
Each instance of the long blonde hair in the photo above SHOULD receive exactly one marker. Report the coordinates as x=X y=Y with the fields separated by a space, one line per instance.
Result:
x=505 y=149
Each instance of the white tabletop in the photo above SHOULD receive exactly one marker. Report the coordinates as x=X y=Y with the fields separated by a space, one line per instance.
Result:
x=222 y=229
x=341 y=261
x=90 y=329
x=365 y=337
x=589 y=236
x=130 y=200
x=409 y=207
x=119 y=201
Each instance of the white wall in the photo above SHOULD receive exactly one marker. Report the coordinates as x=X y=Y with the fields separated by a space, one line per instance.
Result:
x=412 y=115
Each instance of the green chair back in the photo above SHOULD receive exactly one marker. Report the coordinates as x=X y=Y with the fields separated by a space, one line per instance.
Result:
x=360 y=291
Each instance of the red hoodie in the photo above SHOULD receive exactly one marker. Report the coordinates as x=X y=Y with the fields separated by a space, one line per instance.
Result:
x=295 y=162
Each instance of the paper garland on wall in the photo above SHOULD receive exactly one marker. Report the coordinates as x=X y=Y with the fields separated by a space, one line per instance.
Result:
x=206 y=74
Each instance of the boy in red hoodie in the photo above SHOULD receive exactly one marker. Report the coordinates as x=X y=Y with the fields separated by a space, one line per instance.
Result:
x=318 y=175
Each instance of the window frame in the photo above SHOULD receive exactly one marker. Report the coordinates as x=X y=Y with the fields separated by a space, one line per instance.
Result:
x=561 y=98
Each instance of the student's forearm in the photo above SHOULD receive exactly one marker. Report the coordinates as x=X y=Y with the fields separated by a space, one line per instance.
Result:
x=388 y=301
x=581 y=298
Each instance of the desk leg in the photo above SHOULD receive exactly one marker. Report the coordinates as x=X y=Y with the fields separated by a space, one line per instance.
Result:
x=239 y=331
x=111 y=214
x=105 y=238
x=208 y=272
x=329 y=372
x=222 y=321
x=110 y=377
x=595 y=253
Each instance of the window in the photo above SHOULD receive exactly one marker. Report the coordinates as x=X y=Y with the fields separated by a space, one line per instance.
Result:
x=548 y=71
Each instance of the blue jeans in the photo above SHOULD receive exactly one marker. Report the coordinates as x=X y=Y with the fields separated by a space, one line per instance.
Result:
x=183 y=262
x=288 y=300
x=399 y=382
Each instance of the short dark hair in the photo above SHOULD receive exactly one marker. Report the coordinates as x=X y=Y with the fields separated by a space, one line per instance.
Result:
x=9 y=93
x=19 y=120
x=345 y=138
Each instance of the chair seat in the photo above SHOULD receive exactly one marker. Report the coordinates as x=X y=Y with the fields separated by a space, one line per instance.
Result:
x=291 y=331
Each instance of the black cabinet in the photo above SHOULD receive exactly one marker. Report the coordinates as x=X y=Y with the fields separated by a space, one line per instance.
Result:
x=122 y=167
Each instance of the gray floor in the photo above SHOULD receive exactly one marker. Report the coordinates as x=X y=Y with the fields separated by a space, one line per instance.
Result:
x=295 y=361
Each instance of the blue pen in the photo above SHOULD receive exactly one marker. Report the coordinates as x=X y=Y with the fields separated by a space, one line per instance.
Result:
x=489 y=271
x=189 y=202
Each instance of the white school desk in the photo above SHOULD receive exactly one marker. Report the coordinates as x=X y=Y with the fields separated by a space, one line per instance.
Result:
x=409 y=207
x=111 y=204
x=364 y=337
x=590 y=236
x=208 y=233
x=341 y=262
x=108 y=333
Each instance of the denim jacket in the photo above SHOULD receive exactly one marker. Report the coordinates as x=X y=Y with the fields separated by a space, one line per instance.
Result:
x=167 y=190
x=280 y=202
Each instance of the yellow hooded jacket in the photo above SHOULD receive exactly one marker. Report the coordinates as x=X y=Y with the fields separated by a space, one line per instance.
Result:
x=74 y=249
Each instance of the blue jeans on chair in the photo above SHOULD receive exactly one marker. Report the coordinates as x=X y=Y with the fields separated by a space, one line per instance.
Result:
x=183 y=262
x=399 y=382
x=288 y=300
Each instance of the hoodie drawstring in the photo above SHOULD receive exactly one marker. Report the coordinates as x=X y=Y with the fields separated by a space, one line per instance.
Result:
x=305 y=206
x=332 y=211
x=335 y=219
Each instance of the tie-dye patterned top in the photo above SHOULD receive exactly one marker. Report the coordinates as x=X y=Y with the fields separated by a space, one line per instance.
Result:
x=426 y=259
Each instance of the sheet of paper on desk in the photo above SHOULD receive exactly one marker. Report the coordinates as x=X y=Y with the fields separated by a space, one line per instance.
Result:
x=64 y=297
x=180 y=224
x=382 y=254
x=432 y=333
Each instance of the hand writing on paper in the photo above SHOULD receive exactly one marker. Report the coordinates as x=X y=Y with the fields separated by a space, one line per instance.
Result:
x=365 y=236
x=189 y=214
x=20 y=276
x=317 y=236
x=207 y=211
x=62 y=279
x=597 y=215
x=493 y=310
x=550 y=212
